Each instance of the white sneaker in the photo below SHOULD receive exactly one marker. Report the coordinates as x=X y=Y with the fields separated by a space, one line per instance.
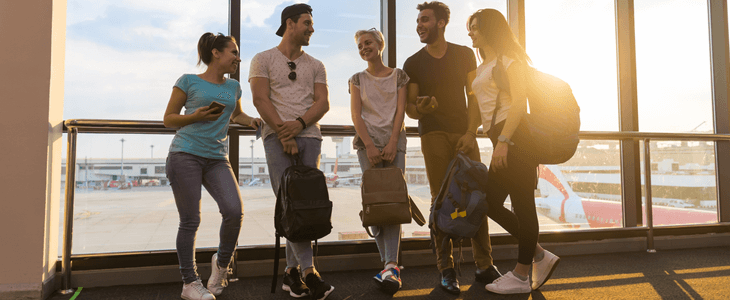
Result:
x=218 y=277
x=509 y=284
x=196 y=291
x=542 y=269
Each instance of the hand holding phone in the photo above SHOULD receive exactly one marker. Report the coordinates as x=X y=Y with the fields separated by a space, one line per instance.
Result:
x=216 y=107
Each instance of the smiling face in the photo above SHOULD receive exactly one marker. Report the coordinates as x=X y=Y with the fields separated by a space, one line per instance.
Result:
x=428 y=26
x=477 y=38
x=303 y=29
x=229 y=58
x=368 y=47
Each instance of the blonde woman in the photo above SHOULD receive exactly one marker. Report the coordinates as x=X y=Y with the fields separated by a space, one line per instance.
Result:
x=377 y=103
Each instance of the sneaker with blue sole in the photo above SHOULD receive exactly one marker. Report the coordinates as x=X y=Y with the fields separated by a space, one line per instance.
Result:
x=389 y=280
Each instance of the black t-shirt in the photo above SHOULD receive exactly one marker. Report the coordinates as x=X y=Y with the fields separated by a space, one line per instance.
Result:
x=445 y=79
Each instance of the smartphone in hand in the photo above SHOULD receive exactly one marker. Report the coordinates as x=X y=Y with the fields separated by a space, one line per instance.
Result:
x=216 y=107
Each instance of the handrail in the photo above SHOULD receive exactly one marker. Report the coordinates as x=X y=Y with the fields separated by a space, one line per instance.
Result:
x=75 y=126
x=137 y=126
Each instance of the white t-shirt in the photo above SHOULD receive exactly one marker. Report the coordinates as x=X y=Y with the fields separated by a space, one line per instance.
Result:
x=486 y=92
x=379 y=96
x=291 y=98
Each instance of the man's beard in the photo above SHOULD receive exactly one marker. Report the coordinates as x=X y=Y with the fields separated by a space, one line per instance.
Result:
x=431 y=35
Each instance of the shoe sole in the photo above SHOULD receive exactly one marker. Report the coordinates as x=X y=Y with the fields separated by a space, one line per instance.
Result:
x=508 y=292
x=327 y=293
x=552 y=269
x=387 y=286
x=457 y=292
x=186 y=298
x=288 y=289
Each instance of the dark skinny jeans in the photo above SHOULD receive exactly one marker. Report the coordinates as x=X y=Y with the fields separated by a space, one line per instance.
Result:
x=518 y=181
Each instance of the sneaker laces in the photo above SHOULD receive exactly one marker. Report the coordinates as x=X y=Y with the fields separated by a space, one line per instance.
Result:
x=198 y=285
x=498 y=279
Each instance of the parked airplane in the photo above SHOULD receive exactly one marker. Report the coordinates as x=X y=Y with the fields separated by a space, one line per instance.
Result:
x=561 y=204
x=334 y=180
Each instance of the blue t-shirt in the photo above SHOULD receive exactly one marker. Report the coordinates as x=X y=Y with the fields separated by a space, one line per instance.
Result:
x=206 y=138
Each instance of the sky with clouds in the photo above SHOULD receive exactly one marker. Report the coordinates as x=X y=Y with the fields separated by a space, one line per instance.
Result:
x=123 y=57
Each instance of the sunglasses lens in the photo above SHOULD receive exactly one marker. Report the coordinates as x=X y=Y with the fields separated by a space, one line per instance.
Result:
x=292 y=65
x=292 y=76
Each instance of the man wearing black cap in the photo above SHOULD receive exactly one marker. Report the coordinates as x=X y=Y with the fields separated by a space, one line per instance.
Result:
x=289 y=90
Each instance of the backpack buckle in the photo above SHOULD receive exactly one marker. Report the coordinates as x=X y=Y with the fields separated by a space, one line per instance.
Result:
x=457 y=214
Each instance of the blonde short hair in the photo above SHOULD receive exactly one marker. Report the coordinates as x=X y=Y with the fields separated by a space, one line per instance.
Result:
x=377 y=35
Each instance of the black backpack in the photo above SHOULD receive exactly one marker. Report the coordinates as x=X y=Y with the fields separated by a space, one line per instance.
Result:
x=551 y=128
x=303 y=208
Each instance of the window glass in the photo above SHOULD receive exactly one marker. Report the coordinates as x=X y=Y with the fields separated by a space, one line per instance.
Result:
x=673 y=66
x=408 y=42
x=683 y=183
x=576 y=41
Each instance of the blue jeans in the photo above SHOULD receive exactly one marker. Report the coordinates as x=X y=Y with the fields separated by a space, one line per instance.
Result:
x=187 y=172
x=387 y=237
x=300 y=253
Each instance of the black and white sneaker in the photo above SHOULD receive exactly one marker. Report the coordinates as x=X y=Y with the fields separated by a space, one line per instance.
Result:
x=317 y=287
x=294 y=285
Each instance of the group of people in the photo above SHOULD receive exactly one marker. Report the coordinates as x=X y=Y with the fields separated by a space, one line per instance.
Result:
x=440 y=85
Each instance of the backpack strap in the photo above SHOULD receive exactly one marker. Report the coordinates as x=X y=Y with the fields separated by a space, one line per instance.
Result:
x=416 y=213
x=276 y=263
x=367 y=229
x=499 y=75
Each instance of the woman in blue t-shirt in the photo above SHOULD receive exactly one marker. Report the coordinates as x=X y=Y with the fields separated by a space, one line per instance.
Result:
x=198 y=156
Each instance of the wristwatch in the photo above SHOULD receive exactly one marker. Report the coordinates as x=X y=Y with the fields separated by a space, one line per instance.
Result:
x=504 y=139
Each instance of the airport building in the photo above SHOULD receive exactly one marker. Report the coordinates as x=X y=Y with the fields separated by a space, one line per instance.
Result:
x=638 y=212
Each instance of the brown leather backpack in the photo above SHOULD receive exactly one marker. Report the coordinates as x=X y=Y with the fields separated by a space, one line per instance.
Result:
x=385 y=199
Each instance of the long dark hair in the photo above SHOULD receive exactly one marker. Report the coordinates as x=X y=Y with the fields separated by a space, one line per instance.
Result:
x=209 y=41
x=497 y=33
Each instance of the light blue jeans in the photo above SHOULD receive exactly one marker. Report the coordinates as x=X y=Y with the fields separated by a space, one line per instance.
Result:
x=387 y=237
x=299 y=253
x=187 y=172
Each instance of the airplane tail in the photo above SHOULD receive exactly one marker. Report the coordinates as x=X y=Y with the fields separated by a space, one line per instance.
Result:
x=336 y=161
x=553 y=182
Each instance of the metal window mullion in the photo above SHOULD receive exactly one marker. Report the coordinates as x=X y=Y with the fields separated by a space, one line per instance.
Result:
x=234 y=30
x=719 y=59
x=628 y=112
x=516 y=19
x=387 y=27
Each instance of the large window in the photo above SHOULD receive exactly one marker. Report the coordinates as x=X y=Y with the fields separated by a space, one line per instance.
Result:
x=122 y=60
x=673 y=66
x=576 y=41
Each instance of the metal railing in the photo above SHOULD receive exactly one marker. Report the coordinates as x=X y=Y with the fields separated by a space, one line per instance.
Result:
x=74 y=127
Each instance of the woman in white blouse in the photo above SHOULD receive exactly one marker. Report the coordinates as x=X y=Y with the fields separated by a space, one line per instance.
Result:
x=499 y=86
x=377 y=103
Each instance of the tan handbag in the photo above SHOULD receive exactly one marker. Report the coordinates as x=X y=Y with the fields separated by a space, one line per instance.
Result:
x=385 y=199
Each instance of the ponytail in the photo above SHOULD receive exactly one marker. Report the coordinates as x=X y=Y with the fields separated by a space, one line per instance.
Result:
x=209 y=41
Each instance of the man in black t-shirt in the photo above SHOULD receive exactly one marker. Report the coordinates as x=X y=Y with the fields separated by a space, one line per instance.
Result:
x=440 y=72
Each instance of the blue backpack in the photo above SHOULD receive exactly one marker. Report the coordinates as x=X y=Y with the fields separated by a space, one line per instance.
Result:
x=461 y=204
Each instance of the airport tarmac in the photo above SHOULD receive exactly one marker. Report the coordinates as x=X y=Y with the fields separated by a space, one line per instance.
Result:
x=146 y=218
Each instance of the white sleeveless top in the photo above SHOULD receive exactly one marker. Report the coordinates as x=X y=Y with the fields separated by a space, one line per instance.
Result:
x=486 y=92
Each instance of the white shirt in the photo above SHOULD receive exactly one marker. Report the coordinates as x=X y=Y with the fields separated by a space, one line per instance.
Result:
x=291 y=98
x=379 y=96
x=486 y=92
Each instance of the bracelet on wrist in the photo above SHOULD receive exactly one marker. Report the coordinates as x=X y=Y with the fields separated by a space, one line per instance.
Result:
x=304 y=125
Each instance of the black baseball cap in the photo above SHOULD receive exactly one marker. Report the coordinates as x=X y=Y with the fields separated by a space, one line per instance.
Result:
x=290 y=11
